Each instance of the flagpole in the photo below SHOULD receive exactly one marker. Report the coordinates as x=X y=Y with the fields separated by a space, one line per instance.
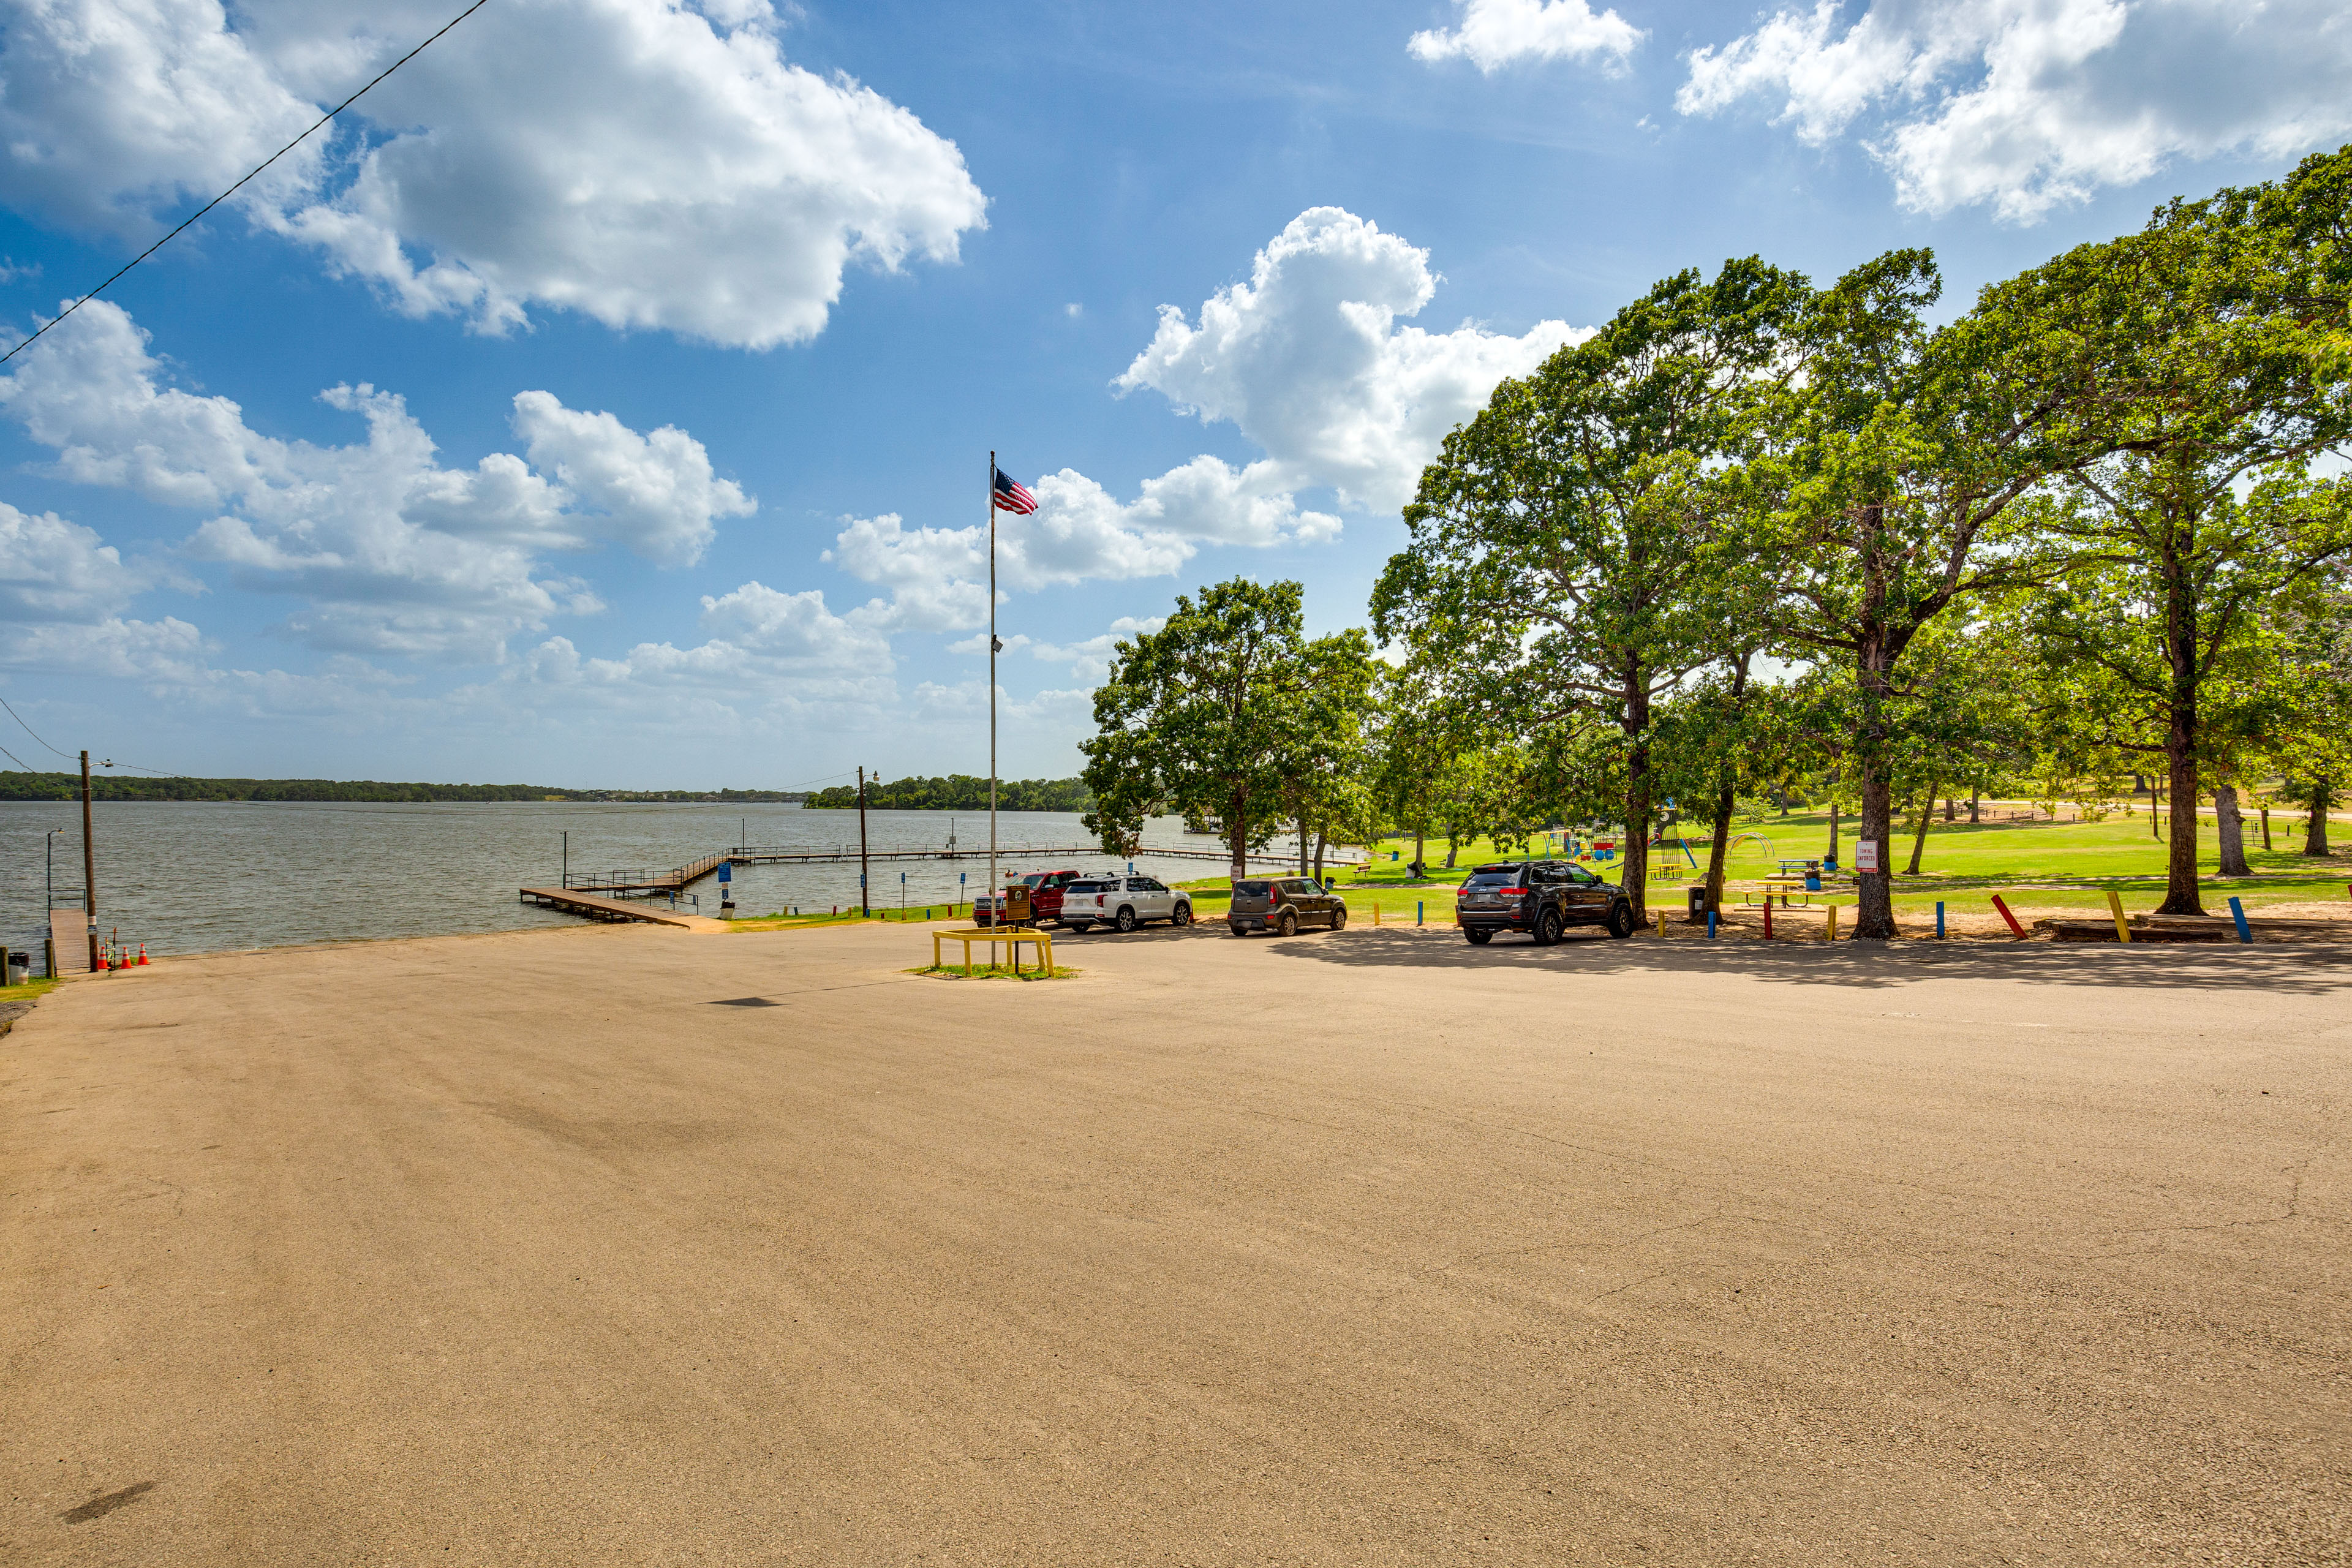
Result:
x=999 y=912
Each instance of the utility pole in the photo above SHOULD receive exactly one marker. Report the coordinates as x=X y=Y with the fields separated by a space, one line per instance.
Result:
x=88 y=866
x=865 y=901
x=567 y=859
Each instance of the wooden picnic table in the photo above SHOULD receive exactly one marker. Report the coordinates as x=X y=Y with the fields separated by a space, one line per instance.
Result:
x=1015 y=935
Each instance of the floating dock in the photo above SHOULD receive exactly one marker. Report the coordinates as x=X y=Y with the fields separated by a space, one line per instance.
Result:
x=572 y=902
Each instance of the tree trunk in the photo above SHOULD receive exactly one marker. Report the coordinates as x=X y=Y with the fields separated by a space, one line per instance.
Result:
x=1833 y=830
x=2314 y=829
x=1420 y=851
x=1976 y=802
x=1951 y=811
x=1874 y=656
x=1919 y=839
x=1453 y=847
x=1726 y=801
x=1237 y=833
x=2180 y=741
x=2233 y=831
x=2266 y=828
x=1302 y=843
x=1635 y=878
x=1321 y=841
x=2155 y=812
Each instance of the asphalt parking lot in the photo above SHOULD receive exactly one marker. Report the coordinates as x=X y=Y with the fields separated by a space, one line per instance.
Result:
x=616 y=1245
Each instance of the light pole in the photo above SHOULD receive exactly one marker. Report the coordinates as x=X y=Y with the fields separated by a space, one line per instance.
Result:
x=49 y=880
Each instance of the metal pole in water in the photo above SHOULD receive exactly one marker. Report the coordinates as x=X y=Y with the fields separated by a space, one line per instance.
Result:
x=567 y=859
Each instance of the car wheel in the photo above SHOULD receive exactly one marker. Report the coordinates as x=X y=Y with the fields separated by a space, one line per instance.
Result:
x=1620 y=920
x=1125 y=922
x=1183 y=917
x=1478 y=938
x=1288 y=924
x=1547 y=928
x=1339 y=918
x=1080 y=927
x=1236 y=930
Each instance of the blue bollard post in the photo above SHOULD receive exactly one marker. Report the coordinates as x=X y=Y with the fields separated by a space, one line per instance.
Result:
x=1416 y=911
x=1710 y=925
x=1940 y=921
x=2238 y=913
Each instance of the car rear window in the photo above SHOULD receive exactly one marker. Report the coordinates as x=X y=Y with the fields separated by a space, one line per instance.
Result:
x=1494 y=876
x=1088 y=888
x=1253 y=890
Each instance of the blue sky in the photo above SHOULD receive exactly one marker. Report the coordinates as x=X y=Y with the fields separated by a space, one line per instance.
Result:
x=608 y=401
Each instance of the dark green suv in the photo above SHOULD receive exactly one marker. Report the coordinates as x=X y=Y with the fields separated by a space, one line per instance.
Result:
x=1541 y=897
x=1283 y=904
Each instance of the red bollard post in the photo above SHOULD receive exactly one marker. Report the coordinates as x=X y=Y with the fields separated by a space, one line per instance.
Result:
x=2013 y=926
x=1767 y=918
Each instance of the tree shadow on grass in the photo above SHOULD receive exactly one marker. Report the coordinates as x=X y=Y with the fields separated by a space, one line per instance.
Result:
x=2300 y=970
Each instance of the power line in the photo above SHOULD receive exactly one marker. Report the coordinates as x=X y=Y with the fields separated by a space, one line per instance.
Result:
x=20 y=762
x=20 y=718
x=225 y=195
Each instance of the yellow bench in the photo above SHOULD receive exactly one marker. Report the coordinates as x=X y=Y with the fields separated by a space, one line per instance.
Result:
x=1015 y=935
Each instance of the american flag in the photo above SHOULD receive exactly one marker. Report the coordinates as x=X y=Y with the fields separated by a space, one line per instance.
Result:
x=1011 y=495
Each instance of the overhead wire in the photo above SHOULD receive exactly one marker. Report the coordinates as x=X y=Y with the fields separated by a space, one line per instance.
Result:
x=225 y=195
x=30 y=730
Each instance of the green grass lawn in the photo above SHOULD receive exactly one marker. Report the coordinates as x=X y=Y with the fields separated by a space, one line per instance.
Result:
x=2032 y=865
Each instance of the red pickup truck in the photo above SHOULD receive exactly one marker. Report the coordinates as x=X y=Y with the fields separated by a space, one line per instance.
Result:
x=1044 y=897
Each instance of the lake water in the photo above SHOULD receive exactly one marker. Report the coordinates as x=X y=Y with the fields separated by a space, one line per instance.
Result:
x=209 y=877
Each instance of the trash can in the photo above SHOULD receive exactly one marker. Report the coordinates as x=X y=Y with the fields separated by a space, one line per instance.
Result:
x=1699 y=906
x=20 y=968
x=1812 y=881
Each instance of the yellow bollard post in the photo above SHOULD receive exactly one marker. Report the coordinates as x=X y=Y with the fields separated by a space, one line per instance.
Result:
x=2116 y=908
x=1829 y=931
x=935 y=952
x=1662 y=924
x=1376 y=912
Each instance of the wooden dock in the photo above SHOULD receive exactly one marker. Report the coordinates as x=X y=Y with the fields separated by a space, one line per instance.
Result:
x=677 y=878
x=572 y=902
x=69 y=930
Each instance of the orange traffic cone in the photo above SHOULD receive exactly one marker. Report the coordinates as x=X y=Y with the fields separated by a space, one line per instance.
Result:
x=142 y=952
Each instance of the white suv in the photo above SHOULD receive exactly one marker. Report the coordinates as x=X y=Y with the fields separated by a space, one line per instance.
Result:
x=1123 y=903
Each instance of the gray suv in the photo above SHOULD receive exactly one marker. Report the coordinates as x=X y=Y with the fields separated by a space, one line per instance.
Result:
x=1283 y=904
x=1541 y=897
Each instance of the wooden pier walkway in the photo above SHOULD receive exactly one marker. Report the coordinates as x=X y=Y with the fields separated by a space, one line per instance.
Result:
x=677 y=878
x=572 y=902
x=69 y=930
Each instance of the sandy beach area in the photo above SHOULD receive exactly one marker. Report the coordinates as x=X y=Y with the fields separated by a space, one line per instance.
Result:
x=623 y=1246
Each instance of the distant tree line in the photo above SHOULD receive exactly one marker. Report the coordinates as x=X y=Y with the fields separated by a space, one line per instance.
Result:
x=957 y=792
x=115 y=786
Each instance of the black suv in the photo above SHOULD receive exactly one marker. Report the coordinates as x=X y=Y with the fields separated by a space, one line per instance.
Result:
x=1541 y=897
x=1283 y=904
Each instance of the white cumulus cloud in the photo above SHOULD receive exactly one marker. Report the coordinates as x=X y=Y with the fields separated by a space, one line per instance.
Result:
x=644 y=164
x=391 y=551
x=939 y=576
x=2023 y=105
x=1308 y=360
x=1496 y=33
x=1090 y=659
